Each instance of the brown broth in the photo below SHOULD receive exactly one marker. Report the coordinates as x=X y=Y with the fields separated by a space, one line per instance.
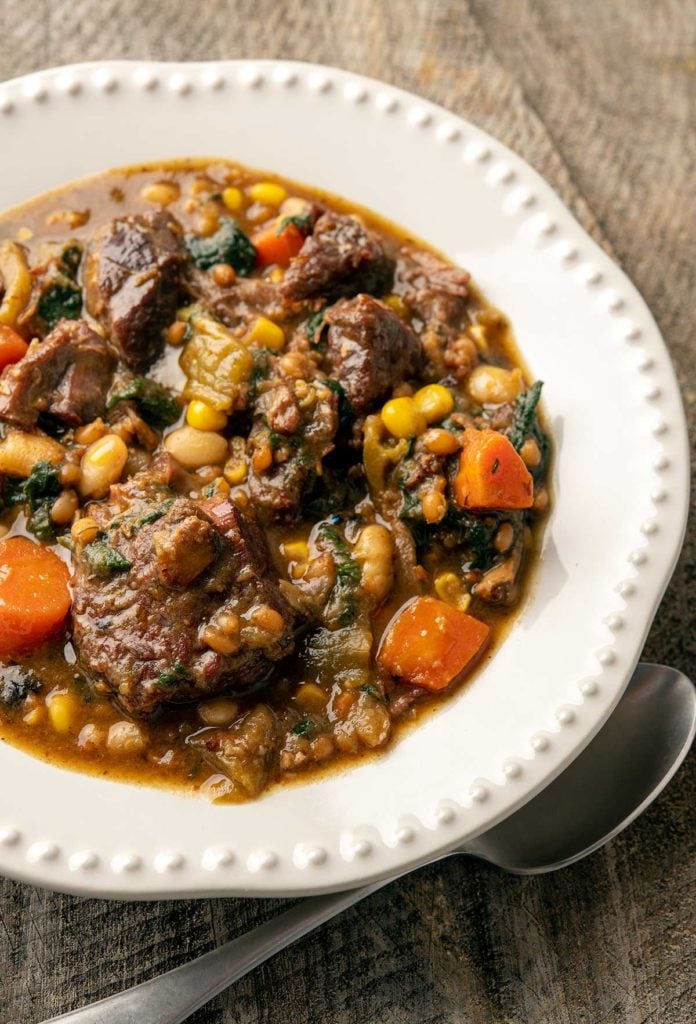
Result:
x=75 y=212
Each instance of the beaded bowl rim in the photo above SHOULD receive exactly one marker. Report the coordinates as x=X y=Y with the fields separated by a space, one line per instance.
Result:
x=280 y=857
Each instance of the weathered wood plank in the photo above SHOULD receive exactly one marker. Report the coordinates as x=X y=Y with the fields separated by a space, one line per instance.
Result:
x=599 y=97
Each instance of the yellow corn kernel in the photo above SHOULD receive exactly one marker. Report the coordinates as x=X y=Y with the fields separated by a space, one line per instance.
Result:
x=403 y=418
x=267 y=192
x=276 y=275
x=310 y=697
x=265 y=333
x=203 y=417
x=434 y=401
x=83 y=531
x=61 y=709
x=235 y=471
x=232 y=198
x=397 y=304
x=449 y=588
x=296 y=550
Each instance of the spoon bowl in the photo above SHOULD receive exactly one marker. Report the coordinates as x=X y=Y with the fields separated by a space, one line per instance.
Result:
x=618 y=774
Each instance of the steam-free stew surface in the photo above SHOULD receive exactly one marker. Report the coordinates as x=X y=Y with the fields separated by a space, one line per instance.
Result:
x=272 y=478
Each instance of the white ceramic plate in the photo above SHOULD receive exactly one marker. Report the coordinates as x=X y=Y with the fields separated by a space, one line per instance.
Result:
x=621 y=480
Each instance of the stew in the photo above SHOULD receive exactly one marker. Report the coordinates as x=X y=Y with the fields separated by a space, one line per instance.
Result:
x=272 y=478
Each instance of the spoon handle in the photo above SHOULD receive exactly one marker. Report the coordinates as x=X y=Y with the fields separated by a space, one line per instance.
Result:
x=174 y=996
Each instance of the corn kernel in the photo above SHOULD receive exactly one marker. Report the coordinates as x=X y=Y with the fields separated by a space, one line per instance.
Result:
x=403 y=418
x=296 y=550
x=265 y=333
x=310 y=697
x=61 y=709
x=235 y=471
x=267 y=192
x=396 y=303
x=434 y=401
x=449 y=588
x=203 y=417
x=232 y=198
x=276 y=275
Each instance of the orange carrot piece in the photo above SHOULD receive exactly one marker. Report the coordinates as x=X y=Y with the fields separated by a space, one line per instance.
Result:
x=279 y=249
x=431 y=644
x=12 y=346
x=34 y=594
x=491 y=473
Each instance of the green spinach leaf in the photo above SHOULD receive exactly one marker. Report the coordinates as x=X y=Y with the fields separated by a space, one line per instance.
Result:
x=229 y=245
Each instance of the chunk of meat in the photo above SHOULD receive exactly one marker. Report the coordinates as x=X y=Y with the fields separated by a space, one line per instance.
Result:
x=294 y=427
x=436 y=294
x=184 y=552
x=340 y=258
x=66 y=376
x=132 y=277
x=369 y=350
x=171 y=610
x=435 y=291
x=244 y=752
x=239 y=303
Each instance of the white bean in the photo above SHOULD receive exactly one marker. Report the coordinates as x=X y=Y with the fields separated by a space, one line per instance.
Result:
x=492 y=385
x=102 y=465
x=125 y=738
x=196 y=448
x=374 y=551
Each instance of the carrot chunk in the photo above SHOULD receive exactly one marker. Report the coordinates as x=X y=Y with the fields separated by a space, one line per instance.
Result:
x=431 y=644
x=277 y=247
x=12 y=346
x=34 y=594
x=491 y=473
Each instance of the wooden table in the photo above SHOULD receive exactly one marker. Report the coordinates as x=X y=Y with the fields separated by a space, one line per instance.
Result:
x=599 y=96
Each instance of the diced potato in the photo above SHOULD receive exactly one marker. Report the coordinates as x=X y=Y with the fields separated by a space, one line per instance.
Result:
x=20 y=451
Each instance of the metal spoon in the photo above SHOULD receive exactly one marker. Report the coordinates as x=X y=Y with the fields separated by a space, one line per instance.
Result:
x=609 y=784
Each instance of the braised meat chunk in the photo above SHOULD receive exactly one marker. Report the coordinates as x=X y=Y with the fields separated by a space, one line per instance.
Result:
x=175 y=600
x=294 y=427
x=369 y=350
x=132 y=276
x=66 y=376
x=434 y=290
x=340 y=258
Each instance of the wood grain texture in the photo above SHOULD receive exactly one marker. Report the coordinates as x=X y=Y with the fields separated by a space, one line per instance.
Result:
x=599 y=96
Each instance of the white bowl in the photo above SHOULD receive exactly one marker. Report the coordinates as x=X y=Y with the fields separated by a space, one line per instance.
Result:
x=621 y=481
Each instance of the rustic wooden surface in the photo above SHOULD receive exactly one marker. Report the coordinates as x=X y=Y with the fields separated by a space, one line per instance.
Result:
x=600 y=97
